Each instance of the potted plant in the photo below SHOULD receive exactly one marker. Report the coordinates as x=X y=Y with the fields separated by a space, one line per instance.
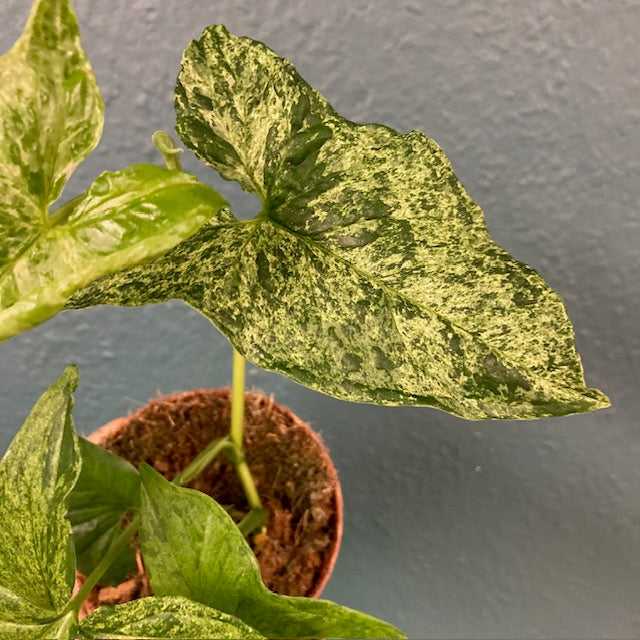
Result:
x=196 y=556
x=368 y=274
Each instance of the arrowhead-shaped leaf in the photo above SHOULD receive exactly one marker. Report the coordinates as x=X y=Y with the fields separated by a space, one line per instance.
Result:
x=369 y=274
x=192 y=548
x=37 y=561
x=168 y=617
x=51 y=117
x=125 y=217
x=108 y=488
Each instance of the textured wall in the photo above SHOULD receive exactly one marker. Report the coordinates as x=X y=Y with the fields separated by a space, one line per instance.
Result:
x=454 y=529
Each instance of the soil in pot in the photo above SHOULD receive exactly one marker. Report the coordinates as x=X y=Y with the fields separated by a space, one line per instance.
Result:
x=294 y=476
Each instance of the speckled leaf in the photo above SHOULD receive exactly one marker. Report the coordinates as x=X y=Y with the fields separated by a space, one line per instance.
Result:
x=108 y=488
x=125 y=217
x=192 y=548
x=37 y=562
x=369 y=274
x=61 y=629
x=168 y=617
x=51 y=117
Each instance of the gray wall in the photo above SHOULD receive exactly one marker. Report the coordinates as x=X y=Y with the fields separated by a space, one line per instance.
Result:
x=454 y=529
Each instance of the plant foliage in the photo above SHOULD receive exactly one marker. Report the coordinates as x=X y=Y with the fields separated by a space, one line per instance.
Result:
x=369 y=273
x=51 y=117
x=107 y=490
x=209 y=587
x=37 y=560
x=192 y=548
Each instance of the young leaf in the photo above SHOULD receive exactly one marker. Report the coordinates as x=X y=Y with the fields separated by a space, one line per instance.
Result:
x=37 y=562
x=168 y=617
x=192 y=548
x=125 y=217
x=107 y=489
x=51 y=117
x=369 y=273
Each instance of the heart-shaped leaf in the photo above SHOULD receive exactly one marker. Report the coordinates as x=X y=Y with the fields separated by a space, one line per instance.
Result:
x=192 y=548
x=37 y=561
x=108 y=488
x=369 y=274
x=168 y=617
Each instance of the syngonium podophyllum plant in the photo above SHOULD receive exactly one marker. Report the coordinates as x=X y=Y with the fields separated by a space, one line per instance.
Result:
x=205 y=577
x=368 y=274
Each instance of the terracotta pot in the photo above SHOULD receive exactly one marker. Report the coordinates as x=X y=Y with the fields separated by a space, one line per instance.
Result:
x=294 y=476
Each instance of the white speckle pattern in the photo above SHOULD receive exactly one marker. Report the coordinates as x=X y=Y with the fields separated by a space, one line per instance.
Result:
x=370 y=274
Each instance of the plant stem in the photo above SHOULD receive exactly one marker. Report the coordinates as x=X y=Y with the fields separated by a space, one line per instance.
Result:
x=202 y=460
x=237 y=432
x=164 y=143
x=237 y=402
x=118 y=545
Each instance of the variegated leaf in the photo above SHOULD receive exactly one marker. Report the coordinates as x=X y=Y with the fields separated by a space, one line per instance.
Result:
x=37 y=561
x=192 y=548
x=62 y=628
x=51 y=117
x=125 y=217
x=240 y=107
x=166 y=617
x=369 y=273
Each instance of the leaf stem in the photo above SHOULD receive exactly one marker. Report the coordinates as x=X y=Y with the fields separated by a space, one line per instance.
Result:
x=237 y=402
x=118 y=545
x=164 y=143
x=202 y=460
x=237 y=432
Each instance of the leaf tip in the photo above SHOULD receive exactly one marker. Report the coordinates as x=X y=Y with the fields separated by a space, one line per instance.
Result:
x=70 y=378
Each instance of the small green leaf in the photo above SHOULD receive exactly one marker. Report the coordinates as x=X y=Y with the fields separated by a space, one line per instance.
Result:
x=369 y=274
x=108 y=488
x=192 y=548
x=51 y=117
x=37 y=473
x=125 y=217
x=168 y=617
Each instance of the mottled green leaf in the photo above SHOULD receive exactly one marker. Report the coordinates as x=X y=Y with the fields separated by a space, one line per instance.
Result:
x=108 y=488
x=37 y=561
x=168 y=617
x=369 y=274
x=192 y=548
x=125 y=217
x=51 y=117
x=62 y=628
